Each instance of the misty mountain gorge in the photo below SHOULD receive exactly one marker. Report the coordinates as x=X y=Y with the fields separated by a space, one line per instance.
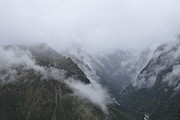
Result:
x=90 y=60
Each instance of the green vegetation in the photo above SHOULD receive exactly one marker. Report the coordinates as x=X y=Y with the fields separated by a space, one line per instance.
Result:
x=178 y=118
x=48 y=100
x=158 y=103
x=33 y=97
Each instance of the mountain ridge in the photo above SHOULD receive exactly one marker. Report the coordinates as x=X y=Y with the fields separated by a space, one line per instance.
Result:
x=38 y=89
x=156 y=90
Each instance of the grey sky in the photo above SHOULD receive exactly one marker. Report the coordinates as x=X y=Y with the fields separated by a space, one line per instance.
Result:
x=98 y=25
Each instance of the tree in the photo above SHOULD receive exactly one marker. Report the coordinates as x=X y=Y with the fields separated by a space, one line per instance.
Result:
x=178 y=114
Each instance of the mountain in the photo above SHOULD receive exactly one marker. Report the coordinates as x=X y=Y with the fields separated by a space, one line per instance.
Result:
x=121 y=67
x=37 y=83
x=115 y=70
x=156 y=92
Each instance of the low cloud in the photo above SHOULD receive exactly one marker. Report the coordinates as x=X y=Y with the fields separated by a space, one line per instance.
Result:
x=165 y=61
x=93 y=92
x=98 y=25
x=13 y=57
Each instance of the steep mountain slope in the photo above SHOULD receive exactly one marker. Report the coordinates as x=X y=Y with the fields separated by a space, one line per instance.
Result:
x=115 y=70
x=157 y=88
x=121 y=67
x=37 y=83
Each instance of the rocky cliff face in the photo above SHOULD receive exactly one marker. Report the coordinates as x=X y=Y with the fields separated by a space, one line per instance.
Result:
x=156 y=90
x=115 y=70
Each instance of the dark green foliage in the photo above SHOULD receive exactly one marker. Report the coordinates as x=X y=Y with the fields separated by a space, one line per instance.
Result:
x=36 y=100
x=159 y=105
x=33 y=97
x=178 y=118
x=160 y=100
x=116 y=114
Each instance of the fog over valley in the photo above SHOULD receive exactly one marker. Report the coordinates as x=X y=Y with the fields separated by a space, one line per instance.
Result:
x=90 y=60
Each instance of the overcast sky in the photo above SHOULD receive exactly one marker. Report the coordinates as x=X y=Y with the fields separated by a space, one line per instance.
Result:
x=97 y=25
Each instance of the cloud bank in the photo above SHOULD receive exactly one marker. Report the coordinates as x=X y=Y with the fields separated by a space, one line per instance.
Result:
x=93 y=92
x=98 y=25
x=15 y=62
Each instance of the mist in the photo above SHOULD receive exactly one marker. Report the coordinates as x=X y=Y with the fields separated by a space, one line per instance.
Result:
x=16 y=62
x=95 y=93
x=163 y=59
x=96 y=25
